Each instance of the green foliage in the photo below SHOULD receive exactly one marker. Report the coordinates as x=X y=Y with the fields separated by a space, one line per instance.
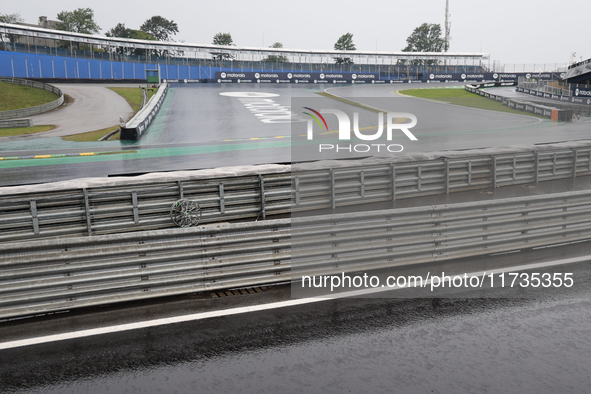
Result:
x=81 y=20
x=160 y=28
x=276 y=58
x=425 y=38
x=345 y=43
x=121 y=31
x=222 y=39
x=11 y=18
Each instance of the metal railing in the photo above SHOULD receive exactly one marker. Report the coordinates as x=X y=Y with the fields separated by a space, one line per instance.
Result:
x=19 y=113
x=134 y=207
x=6 y=124
x=54 y=275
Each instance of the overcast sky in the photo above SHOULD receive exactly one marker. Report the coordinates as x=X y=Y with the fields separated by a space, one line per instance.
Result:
x=512 y=31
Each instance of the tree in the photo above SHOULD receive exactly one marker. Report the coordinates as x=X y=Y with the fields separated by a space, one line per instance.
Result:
x=425 y=38
x=344 y=43
x=276 y=58
x=121 y=31
x=81 y=20
x=11 y=18
x=160 y=28
x=222 y=39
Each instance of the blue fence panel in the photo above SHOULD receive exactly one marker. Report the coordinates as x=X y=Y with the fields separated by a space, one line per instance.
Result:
x=72 y=68
x=46 y=70
x=83 y=71
x=105 y=68
x=20 y=66
x=59 y=65
x=128 y=71
x=6 y=64
x=117 y=68
x=94 y=69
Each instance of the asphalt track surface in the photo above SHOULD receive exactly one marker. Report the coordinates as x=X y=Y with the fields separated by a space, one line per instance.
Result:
x=199 y=128
x=94 y=108
x=510 y=342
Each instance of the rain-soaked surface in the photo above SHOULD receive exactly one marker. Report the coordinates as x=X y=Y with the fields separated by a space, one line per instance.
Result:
x=540 y=345
x=199 y=128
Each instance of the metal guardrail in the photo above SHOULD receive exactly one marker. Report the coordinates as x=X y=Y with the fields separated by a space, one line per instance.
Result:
x=118 y=209
x=564 y=115
x=53 y=275
x=19 y=113
x=6 y=124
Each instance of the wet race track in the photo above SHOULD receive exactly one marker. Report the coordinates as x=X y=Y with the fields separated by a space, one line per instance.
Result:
x=200 y=128
x=462 y=345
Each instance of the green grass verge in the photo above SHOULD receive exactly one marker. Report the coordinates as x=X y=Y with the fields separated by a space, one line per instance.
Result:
x=133 y=96
x=460 y=96
x=92 y=135
x=25 y=130
x=19 y=97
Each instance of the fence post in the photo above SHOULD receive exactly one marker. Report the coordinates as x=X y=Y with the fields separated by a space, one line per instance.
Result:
x=262 y=190
x=87 y=211
x=575 y=154
x=446 y=176
x=537 y=166
x=332 y=189
x=393 y=177
x=494 y=172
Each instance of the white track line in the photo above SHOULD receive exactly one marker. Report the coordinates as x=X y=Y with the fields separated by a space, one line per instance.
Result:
x=247 y=309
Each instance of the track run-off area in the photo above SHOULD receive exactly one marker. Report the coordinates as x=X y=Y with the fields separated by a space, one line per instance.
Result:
x=212 y=125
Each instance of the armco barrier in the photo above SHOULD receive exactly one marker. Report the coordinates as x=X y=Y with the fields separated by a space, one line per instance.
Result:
x=130 y=204
x=55 y=275
x=576 y=99
x=563 y=115
x=19 y=113
x=5 y=124
x=136 y=127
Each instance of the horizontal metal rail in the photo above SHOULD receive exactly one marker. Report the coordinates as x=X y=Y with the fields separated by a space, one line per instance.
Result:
x=6 y=124
x=19 y=113
x=54 y=275
x=132 y=207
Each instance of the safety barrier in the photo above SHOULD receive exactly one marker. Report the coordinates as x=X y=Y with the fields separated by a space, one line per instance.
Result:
x=563 y=115
x=135 y=128
x=19 y=113
x=54 y=275
x=6 y=124
x=134 y=205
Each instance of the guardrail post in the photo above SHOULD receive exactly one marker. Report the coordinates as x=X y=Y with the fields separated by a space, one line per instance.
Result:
x=87 y=211
x=494 y=171
x=297 y=191
x=332 y=189
x=469 y=173
x=537 y=167
x=222 y=202
x=136 y=214
x=514 y=167
x=419 y=178
x=262 y=188
x=446 y=176
x=181 y=190
x=34 y=216
x=554 y=165
x=393 y=177
x=362 y=180
x=575 y=154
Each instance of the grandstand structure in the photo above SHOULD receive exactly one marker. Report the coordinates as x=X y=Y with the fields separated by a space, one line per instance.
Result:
x=77 y=55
